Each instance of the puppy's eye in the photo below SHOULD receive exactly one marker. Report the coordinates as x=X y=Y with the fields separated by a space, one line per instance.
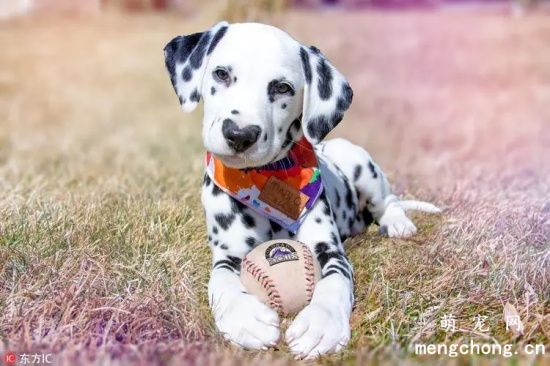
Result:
x=221 y=75
x=282 y=88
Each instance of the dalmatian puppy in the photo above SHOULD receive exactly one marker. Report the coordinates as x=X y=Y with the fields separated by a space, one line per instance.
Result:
x=263 y=91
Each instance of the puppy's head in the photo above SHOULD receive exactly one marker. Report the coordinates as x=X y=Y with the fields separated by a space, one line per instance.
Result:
x=262 y=90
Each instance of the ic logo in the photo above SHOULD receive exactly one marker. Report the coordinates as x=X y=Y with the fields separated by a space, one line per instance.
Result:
x=10 y=358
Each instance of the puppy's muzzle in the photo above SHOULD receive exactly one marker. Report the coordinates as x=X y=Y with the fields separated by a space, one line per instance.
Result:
x=240 y=139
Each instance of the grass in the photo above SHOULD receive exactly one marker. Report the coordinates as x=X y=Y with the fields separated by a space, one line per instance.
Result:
x=103 y=255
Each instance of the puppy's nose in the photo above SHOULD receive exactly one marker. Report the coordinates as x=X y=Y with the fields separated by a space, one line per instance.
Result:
x=240 y=139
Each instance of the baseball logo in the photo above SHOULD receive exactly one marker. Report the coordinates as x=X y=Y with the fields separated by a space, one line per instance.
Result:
x=280 y=252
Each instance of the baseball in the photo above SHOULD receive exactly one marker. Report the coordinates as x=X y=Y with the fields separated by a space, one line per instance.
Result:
x=282 y=273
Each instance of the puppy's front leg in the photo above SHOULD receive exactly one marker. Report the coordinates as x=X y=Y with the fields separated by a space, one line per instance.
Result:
x=323 y=326
x=232 y=232
x=240 y=317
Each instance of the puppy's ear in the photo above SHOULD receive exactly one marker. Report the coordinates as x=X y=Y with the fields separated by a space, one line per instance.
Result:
x=327 y=95
x=186 y=58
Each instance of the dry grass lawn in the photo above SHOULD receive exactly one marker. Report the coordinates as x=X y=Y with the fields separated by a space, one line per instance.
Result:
x=103 y=255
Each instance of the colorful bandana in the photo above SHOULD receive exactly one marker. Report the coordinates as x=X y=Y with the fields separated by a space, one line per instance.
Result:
x=283 y=191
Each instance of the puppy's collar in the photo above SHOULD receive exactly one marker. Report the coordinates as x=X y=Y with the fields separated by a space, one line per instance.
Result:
x=283 y=191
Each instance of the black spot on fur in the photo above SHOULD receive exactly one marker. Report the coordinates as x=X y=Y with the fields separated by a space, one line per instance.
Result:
x=212 y=91
x=350 y=224
x=333 y=268
x=324 y=257
x=291 y=234
x=280 y=130
x=225 y=266
x=171 y=54
x=349 y=192
x=237 y=206
x=215 y=229
x=344 y=215
x=235 y=79
x=331 y=272
x=345 y=99
x=265 y=137
x=289 y=138
x=195 y=96
x=224 y=246
x=318 y=220
x=216 y=243
x=326 y=210
x=248 y=221
x=216 y=190
x=334 y=239
x=209 y=237
x=324 y=85
x=305 y=64
x=269 y=234
x=338 y=199
x=231 y=263
x=206 y=180
x=250 y=241
x=336 y=118
x=283 y=106
x=234 y=111
x=235 y=260
x=356 y=172
x=372 y=169
x=196 y=58
x=187 y=73
x=315 y=50
x=367 y=217
x=217 y=37
x=275 y=227
x=321 y=247
x=318 y=127
x=224 y=221
x=349 y=196
x=339 y=264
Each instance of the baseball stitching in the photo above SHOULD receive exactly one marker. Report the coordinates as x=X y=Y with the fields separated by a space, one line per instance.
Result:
x=309 y=272
x=266 y=282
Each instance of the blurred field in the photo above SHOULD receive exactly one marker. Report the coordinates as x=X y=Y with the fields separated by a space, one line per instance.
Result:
x=103 y=254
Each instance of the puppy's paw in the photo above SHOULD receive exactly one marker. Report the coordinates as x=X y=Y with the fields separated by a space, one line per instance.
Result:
x=245 y=321
x=395 y=224
x=317 y=330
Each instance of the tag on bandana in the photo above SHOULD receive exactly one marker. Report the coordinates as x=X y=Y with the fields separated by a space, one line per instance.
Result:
x=283 y=191
x=283 y=197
